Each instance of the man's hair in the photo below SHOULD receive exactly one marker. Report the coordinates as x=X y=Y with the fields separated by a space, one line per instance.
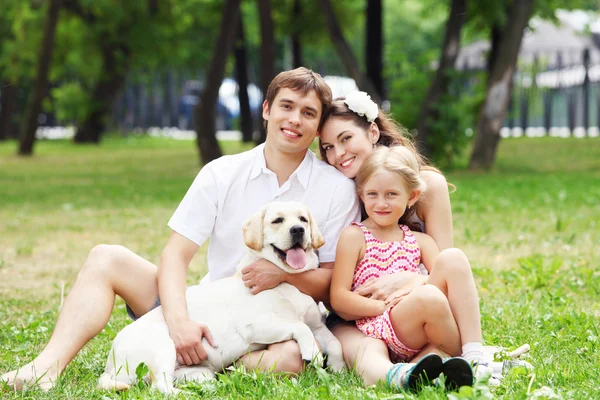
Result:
x=302 y=80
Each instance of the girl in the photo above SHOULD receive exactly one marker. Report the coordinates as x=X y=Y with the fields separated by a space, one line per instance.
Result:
x=347 y=138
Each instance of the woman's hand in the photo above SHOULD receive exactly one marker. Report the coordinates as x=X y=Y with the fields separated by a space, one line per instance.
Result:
x=402 y=292
x=381 y=288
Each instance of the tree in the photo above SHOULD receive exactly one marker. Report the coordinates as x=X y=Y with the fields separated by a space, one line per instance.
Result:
x=429 y=112
x=8 y=95
x=267 y=51
x=499 y=90
x=205 y=111
x=345 y=52
x=297 y=60
x=30 y=122
x=241 y=73
x=374 y=46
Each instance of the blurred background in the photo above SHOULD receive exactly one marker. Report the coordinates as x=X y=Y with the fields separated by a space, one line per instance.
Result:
x=459 y=74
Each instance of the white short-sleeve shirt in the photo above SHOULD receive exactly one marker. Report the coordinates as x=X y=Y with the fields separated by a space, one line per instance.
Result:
x=227 y=191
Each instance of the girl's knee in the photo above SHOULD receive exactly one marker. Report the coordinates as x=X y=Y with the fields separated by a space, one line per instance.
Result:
x=433 y=300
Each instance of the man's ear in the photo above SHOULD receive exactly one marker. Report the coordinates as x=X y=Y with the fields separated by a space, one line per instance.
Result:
x=316 y=239
x=414 y=197
x=253 y=230
x=374 y=133
x=266 y=110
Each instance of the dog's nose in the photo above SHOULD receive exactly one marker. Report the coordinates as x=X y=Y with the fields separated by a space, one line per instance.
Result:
x=297 y=231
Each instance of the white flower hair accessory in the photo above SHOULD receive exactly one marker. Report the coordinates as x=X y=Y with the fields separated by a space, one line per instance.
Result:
x=361 y=103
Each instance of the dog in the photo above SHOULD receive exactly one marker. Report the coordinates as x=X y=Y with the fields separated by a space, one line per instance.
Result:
x=281 y=232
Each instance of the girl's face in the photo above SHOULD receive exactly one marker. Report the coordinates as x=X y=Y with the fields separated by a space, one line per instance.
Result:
x=347 y=145
x=386 y=197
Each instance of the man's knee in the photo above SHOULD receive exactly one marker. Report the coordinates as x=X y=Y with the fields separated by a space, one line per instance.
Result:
x=102 y=258
x=287 y=357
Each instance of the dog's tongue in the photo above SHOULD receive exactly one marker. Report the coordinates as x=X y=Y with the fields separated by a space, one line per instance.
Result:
x=296 y=258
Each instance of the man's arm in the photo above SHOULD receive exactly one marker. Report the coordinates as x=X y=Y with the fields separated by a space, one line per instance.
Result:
x=314 y=283
x=172 y=273
x=263 y=275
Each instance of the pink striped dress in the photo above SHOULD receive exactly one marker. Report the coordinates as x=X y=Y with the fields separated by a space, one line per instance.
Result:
x=385 y=258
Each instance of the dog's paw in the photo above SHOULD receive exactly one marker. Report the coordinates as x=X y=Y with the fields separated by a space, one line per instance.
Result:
x=317 y=359
x=335 y=364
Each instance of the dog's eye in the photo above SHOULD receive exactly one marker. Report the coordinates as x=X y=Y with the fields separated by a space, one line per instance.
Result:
x=277 y=220
x=303 y=219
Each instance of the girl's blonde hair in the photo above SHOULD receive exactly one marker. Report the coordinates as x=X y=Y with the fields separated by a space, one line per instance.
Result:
x=399 y=160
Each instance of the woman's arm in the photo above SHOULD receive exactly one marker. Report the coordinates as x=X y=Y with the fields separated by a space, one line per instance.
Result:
x=347 y=304
x=429 y=249
x=435 y=211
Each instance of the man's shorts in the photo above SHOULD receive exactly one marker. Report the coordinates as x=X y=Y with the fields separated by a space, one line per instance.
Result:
x=132 y=314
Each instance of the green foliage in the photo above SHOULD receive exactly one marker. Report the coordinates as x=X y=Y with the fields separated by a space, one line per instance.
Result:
x=71 y=102
x=410 y=59
x=538 y=284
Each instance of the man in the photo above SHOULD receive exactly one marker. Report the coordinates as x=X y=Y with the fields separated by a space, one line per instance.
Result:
x=224 y=194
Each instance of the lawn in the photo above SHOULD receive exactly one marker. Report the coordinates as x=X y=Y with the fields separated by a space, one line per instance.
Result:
x=530 y=227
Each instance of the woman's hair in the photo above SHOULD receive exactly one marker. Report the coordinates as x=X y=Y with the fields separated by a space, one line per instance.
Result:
x=400 y=160
x=390 y=132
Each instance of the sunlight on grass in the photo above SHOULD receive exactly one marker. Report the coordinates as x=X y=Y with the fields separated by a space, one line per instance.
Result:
x=530 y=228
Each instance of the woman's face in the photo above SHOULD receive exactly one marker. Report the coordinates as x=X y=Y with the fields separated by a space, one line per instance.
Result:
x=347 y=145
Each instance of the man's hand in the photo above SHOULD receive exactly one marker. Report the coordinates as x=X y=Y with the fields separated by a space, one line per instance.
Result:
x=381 y=288
x=401 y=293
x=262 y=275
x=187 y=336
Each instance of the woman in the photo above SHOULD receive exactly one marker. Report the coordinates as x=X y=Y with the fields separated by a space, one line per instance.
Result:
x=353 y=127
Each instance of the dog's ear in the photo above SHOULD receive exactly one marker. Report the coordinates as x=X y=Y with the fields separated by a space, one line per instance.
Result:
x=315 y=233
x=253 y=230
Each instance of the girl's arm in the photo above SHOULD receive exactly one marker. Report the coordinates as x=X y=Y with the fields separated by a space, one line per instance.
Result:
x=347 y=304
x=435 y=211
x=429 y=249
x=429 y=252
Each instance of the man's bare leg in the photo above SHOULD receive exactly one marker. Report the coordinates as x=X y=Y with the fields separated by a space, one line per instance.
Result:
x=108 y=270
x=278 y=357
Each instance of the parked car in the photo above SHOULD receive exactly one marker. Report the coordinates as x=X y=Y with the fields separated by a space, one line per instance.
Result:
x=228 y=105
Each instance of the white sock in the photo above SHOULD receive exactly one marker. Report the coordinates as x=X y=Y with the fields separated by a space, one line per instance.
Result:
x=473 y=351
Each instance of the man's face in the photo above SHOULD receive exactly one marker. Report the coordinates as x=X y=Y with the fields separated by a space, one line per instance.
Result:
x=293 y=120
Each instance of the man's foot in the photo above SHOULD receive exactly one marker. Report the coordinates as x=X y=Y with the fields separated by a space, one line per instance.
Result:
x=29 y=376
x=409 y=376
x=458 y=373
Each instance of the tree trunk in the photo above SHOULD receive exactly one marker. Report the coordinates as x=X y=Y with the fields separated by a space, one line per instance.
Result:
x=8 y=100
x=345 y=52
x=297 y=60
x=429 y=112
x=374 y=46
x=205 y=111
x=241 y=72
x=499 y=89
x=40 y=89
x=105 y=92
x=267 y=52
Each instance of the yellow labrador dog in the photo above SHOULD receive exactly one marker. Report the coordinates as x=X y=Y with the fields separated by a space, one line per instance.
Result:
x=281 y=232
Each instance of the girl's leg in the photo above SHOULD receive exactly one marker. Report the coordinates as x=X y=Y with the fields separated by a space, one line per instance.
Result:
x=452 y=274
x=429 y=349
x=424 y=317
x=368 y=356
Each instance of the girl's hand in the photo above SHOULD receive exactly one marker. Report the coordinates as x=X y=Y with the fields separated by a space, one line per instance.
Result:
x=401 y=293
x=383 y=287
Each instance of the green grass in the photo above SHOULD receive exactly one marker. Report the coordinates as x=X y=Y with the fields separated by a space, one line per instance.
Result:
x=530 y=227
